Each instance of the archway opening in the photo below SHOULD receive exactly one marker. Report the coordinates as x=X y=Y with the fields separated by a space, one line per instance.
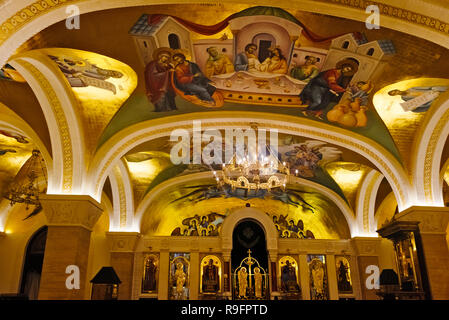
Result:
x=249 y=235
x=32 y=268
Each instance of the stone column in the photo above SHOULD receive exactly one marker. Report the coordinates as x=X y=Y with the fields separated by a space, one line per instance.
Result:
x=332 y=277
x=70 y=222
x=122 y=246
x=272 y=274
x=432 y=223
x=227 y=289
x=304 y=276
x=366 y=250
x=164 y=268
x=194 y=274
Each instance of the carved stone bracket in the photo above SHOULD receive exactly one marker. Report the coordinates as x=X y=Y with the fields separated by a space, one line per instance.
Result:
x=431 y=219
x=366 y=246
x=123 y=241
x=71 y=210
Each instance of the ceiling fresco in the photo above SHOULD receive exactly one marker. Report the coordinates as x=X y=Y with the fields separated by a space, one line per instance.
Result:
x=152 y=62
x=174 y=212
x=15 y=150
x=335 y=168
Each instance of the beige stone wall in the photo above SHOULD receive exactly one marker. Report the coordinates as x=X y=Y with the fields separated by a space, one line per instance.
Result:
x=13 y=245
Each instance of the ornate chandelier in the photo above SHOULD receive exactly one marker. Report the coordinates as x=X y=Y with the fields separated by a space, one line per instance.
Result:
x=27 y=190
x=259 y=173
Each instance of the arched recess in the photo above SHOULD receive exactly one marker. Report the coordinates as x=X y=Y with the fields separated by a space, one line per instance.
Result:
x=427 y=152
x=118 y=145
x=249 y=213
x=366 y=201
x=59 y=107
x=122 y=199
x=32 y=266
x=23 y=19
x=159 y=190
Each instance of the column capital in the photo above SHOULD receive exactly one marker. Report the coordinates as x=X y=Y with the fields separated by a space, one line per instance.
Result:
x=366 y=246
x=226 y=256
x=430 y=219
x=123 y=241
x=71 y=210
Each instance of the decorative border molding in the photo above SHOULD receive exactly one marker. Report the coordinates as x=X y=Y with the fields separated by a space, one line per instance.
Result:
x=23 y=16
x=28 y=14
x=396 y=12
x=122 y=195
x=428 y=162
x=63 y=126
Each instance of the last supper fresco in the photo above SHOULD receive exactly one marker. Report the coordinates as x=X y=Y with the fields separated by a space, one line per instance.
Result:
x=173 y=61
x=268 y=60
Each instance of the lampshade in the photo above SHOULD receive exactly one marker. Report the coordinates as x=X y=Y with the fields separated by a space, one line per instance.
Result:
x=106 y=275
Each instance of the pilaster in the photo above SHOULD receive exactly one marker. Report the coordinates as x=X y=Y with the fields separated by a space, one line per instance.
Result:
x=122 y=246
x=70 y=221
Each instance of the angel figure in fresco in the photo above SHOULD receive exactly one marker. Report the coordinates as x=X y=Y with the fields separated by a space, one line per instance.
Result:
x=19 y=138
x=427 y=95
x=217 y=63
x=180 y=278
x=243 y=281
x=307 y=71
x=275 y=63
x=5 y=151
x=247 y=61
x=159 y=89
x=82 y=73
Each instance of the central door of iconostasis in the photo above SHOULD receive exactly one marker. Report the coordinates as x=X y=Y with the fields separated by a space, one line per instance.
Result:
x=249 y=262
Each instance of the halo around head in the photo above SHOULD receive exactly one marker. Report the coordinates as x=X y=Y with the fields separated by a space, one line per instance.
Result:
x=161 y=50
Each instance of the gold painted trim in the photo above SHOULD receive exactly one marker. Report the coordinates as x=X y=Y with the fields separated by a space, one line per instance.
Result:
x=428 y=160
x=122 y=195
x=395 y=12
x=39 y=8
x=366 y=201
x=61 y=121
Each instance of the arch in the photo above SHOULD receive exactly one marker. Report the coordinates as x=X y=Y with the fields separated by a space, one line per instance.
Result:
x=161 y=188
x=59 y=107
x=28 y=17
x=427 y=152
x=123 y=203
x=366 y=201
x=33 y=261
x=118 y=145
x=370 y=52
x=248 y=213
